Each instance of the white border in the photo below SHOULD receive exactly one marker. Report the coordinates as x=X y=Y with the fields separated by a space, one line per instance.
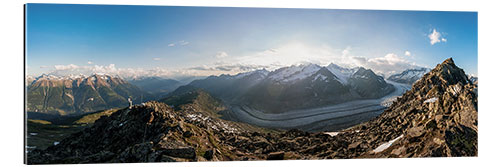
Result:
x=11 y=36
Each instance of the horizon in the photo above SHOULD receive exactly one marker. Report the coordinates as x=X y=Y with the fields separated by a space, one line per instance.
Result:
x=173 y=41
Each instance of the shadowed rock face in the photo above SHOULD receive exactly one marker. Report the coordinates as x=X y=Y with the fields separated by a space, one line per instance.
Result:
x=369 y=85
x=437 y=117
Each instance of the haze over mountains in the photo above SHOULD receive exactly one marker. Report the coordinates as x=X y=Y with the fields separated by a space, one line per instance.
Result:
x=156 y=86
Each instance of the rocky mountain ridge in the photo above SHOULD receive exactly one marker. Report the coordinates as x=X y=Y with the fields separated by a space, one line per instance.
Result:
x=437 y=117
x=78 y=94
x=409 y=76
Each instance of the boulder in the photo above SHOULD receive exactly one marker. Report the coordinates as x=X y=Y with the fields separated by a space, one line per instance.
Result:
x=276 y=156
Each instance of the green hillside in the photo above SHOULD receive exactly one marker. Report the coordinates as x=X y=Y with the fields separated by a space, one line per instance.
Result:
x=43 y=133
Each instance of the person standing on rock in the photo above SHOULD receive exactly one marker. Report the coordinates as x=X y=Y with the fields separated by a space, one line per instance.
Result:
x=129 y=103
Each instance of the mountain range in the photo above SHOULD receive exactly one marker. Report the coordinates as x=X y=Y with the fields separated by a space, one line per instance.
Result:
x=409 y=76
x=284 y=89
x=295 y=87
x=436 y=118
x=79 y=94
x=287 y=88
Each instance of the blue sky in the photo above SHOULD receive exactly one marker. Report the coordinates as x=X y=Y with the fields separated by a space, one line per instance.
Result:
x=177 y=41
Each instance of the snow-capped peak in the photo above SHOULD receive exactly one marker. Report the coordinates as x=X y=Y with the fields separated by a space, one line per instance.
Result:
x=409 y=76
x=415 y=72
x=70 y=77
x=263 y=73
x=294 y=73
x=342 y=73
x=47 y=77
x=73 y=77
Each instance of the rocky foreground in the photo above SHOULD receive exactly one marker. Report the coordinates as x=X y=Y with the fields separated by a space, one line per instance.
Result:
x=437 y=117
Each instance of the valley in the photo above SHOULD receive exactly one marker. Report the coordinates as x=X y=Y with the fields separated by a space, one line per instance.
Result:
x=42 y=134
x=45 y=130
x=327 y=118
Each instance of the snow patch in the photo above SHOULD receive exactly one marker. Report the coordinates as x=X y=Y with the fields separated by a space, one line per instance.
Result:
x=431 y=100
x=411 y=74
x=332 y=133
x=361 y=76
x=386 y=145
x=262 y=73
x=320 y=76
x=388 y=102
x=30 y=147
x=56 y=143
x=455 y=89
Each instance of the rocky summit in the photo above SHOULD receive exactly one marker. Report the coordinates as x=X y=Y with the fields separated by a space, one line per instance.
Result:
x=436 y=118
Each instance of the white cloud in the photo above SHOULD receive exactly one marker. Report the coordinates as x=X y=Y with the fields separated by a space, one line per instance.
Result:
x=387 y=65
x=221 y=55
x=297 y=52
x=290 y=54
x=111 y=69
x=271 y=59
x=90 y=62
x=44 y=66
x=346 y=51
x=435 y=37
x=66 y=67
x=183 y=42
x=178 y=43
x=407 y=53
x=156 y=59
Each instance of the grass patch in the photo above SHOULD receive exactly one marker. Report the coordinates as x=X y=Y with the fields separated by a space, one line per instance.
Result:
x=43 y=133
x=39 y=121
x=91 y=118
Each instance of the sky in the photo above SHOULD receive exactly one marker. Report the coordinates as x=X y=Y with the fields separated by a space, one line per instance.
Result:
x=173 y=42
